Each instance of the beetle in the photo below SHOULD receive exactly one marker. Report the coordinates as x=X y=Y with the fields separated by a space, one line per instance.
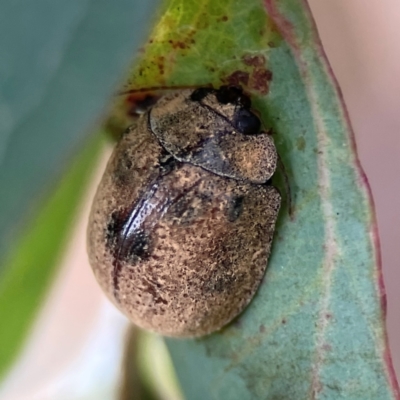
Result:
x=181 y=226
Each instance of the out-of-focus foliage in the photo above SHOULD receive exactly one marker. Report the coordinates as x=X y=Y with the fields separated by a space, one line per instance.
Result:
x=31 y=268
x=60 y=63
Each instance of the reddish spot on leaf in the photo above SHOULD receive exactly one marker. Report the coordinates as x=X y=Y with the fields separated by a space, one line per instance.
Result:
x=224 y=18
x=256 y=79
x=238 y=78
x=160 y=61
x=178 y=44
x=327 y=347
x=260 y=79
x=254 y=61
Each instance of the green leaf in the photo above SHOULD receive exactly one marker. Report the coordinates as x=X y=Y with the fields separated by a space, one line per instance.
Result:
x=60 y=61
x=155 y=366
x=30 y=268
x=315 y=329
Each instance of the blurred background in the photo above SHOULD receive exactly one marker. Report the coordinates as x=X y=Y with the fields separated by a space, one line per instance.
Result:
x=361 y=42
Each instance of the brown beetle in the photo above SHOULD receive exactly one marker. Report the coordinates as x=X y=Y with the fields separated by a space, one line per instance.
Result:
x=182 y=223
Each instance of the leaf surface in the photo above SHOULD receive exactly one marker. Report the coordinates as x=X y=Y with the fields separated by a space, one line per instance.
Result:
x=60 y=61
x=316 y=328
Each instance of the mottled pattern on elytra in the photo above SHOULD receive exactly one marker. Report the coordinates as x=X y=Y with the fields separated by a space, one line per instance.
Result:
x=132 y=166
x=180 y=250
x=201 y=133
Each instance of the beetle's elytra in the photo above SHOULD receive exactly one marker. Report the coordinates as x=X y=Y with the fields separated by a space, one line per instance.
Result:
x=182 y=223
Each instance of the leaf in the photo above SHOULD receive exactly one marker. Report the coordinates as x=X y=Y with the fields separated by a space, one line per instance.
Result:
x=60 y=61
x=155 y=366
x=30 y=269
x=315 y=329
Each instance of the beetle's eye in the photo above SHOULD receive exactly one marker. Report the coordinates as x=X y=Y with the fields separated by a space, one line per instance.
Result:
x=200 y=93
x=246 y=122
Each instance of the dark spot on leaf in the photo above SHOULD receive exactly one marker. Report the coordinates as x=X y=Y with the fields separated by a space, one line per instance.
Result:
x=260 y=76
x=327 y=347
x=260 y=79
x=254 y=61
x=224 y=18
x=237 y=322
x=238 y=78
x=178 y=44
x=300 y=143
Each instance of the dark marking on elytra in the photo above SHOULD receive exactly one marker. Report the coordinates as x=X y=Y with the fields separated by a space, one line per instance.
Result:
x=150 y=289
x=235 y=208
x=238 y=78
x=219 y=284
x=133 y=249
x=114 y=227
x=129 y=244
x=134 y=244
x=179 y=204
x=139 y=246
x=122 y=173
x=167 y=163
